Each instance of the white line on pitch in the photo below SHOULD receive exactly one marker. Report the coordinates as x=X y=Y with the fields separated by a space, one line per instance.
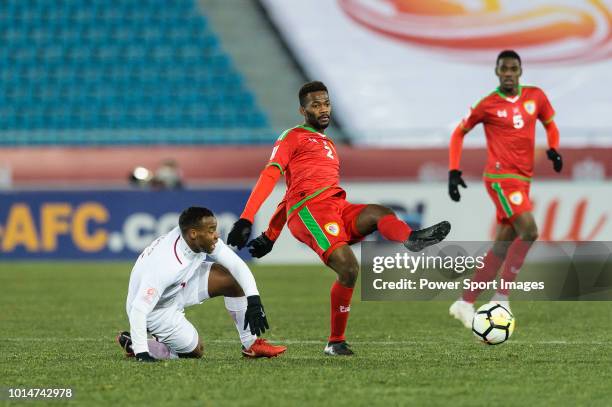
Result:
x=313 y=342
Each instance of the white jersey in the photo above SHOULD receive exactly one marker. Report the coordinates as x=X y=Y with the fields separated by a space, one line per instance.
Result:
x=162 y=271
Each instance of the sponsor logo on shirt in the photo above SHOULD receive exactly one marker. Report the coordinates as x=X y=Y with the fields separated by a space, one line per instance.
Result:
x=502 y=113
x=332 y=228
x=530 y=107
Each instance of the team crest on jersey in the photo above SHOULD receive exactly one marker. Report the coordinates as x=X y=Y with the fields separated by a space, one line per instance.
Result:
x=332 y=228
x=516 y=197
x=530 y=107
x=150 y=294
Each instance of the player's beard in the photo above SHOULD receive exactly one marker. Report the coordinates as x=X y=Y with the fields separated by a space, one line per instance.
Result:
x=314 y=121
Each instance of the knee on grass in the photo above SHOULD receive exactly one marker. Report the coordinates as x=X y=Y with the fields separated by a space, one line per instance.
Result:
x=197 y=353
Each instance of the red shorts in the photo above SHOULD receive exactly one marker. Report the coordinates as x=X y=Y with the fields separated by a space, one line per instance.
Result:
x=510 y=196
x=326 y=224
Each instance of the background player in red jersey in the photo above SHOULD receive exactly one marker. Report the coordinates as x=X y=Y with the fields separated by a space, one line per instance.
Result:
x=509 y=115
x=316 y=211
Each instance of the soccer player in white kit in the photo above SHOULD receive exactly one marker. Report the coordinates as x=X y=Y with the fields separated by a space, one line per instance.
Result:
x=185 y=267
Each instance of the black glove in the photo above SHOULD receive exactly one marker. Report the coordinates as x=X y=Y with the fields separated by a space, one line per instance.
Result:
x=240 y=233
x=454 y=180
x=260 y=246
x=255 y=317
x=145 y=357
x=555 y=158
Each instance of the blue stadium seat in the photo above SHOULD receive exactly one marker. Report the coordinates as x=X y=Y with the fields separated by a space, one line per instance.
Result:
x=72 y=69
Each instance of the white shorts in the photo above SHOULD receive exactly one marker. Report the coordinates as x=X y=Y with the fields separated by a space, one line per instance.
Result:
x=169 y=325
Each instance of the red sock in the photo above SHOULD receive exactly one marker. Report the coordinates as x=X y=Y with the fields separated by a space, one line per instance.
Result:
x=340 y=307
x=391 y=228
x=487 y=273
x=514 y=261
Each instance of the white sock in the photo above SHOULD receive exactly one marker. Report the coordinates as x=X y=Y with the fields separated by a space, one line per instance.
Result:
x=461 y=300
x=237 y=306
x=160 y=350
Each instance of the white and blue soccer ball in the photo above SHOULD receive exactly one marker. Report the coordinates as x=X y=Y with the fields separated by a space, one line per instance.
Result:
x=493 y=324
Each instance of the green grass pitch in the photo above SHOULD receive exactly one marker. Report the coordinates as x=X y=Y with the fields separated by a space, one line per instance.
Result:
x=59 y=321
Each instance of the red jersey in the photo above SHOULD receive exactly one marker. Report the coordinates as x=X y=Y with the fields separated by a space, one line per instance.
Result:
x=310 y=163
x=509 y=125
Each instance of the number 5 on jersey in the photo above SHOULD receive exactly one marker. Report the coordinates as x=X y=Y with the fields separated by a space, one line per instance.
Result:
x=518 y=121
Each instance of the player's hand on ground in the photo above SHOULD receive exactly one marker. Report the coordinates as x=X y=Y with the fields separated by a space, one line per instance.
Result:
x=255 y=317
x=145 y=357
x=454 y=180
x=260 y=246
x=556 y=159
x=240 y=233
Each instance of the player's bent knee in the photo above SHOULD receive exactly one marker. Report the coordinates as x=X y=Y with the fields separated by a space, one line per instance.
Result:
x=379 y=209
x=352 y=277
x=197 y=353
x=372 y=213
x=348 y=274
x=500 y=250
x=343 y=261
x=530 y=235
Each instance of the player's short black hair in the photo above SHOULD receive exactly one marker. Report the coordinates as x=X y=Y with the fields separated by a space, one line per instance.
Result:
x=314 y=86
x=192 y=216
x=508 y=53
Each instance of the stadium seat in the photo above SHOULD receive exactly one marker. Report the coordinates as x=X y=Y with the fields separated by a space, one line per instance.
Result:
x=71 y=70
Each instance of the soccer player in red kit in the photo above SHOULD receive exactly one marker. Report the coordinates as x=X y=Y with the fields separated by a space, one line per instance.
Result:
x=316 y=211
x=509 y=116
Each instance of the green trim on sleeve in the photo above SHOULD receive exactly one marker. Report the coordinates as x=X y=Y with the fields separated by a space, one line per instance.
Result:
x=549 y=120
x=284 y=133
x=506 y=176
x=502 y=199
x=276 y=165
x=314 y=228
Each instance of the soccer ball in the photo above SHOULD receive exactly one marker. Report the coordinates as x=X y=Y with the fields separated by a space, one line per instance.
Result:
x=493 y=324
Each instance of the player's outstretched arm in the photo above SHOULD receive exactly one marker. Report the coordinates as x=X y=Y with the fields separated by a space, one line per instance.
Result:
x=138 y=330
x=239 y=235
x=454 y=175
x=149 y=291
x=264 y=243
x=552 y=135
x=475 y=116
